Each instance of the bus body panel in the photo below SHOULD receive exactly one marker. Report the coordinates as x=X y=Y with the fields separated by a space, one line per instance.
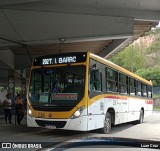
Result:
x=31 y=121
x=120 y=106
x=95 y=121
x=78 y=124
x=135 y=106
x=126 y=109
x=149 y=111
x=96 y=113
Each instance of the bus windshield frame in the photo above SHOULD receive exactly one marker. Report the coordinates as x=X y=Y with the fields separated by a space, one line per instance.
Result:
x=57 y=86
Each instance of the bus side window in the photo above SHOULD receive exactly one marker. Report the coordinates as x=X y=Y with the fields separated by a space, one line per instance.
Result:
x=139 y=88
x=95 y=80
x=144 y=86
x=111 y=80
x=132 y=87
x=123 y=83
x=149 y=91
x=91 y=82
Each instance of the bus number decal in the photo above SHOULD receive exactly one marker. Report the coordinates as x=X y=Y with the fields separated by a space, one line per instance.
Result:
x=41 y=114
x=101 y=106
x=114 y=102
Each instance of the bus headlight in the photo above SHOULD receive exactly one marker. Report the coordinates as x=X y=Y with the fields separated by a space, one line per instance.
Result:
x=29 y=112
x=77 y=113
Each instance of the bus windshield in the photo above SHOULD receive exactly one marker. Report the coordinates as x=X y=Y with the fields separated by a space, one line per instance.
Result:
x=58 y=86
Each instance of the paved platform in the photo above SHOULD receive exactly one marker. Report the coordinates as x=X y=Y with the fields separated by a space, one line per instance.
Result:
x=2 y=121
x=149 y=130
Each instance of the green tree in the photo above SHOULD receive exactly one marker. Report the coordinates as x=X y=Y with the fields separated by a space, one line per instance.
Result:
x=145 y=57
x=152 y=74
x=126 y=58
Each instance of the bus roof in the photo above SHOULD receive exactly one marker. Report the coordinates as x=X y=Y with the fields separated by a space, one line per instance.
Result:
x=114 y=66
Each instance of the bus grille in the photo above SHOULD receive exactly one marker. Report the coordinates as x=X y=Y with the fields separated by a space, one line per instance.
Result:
x=57 y=124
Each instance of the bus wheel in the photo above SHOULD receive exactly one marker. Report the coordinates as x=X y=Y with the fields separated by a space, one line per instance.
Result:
x=107 y=124
x=141 y=117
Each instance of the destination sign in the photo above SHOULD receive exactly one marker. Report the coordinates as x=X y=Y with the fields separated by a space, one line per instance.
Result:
x=59 y=60
x=66 y=58
x=64 y=96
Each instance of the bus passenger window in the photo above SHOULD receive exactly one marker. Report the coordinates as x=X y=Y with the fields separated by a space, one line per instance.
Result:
x=144 y=90
x=95 y=80
x=122 y=83
x=139 y=88
x=111 y=80
x=132 y=87
x=112 y=86
x=149 y=91
x=91 y=83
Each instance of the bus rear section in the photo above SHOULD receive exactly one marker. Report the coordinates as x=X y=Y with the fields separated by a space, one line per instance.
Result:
x=116 y=95
x=110 y=109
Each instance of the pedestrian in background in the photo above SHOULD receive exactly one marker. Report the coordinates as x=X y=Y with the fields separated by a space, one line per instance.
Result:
x=7 y=103
x=19 y=109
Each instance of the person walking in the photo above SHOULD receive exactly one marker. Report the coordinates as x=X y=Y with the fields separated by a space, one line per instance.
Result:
x=19 y=109
x=7 y=109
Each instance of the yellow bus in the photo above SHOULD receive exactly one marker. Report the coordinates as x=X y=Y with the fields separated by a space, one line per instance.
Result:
x=82 y=91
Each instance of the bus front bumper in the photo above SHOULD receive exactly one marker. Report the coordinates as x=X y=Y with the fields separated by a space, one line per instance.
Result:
x=79 y=124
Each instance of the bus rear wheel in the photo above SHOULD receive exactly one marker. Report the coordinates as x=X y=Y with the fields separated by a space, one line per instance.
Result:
x=141 y=117
x=107 y=124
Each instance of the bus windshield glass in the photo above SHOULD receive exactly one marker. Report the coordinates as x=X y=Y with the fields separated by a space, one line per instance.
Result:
x=58 y=86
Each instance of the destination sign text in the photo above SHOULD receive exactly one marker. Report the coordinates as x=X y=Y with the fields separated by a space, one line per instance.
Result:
x=59 y=60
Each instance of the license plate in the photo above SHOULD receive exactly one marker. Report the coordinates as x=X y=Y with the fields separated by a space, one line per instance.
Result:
x=50 y=126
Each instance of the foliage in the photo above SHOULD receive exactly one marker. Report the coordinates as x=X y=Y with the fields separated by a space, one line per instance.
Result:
x=153 y=31
x=156 y=108
x=143 y=56
x=17 y=89
x=127 y=59
x=155 y=96
x=152 y=74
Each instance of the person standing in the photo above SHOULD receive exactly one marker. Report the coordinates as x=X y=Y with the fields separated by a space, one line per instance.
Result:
x=19 y=109
x=7 y=109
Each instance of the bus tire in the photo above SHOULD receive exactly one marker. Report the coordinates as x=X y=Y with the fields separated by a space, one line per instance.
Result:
x=141 y=117
x=107 y=124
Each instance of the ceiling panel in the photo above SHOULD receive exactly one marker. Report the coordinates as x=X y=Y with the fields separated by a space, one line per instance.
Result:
x=51 y=5
x=92 y=46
